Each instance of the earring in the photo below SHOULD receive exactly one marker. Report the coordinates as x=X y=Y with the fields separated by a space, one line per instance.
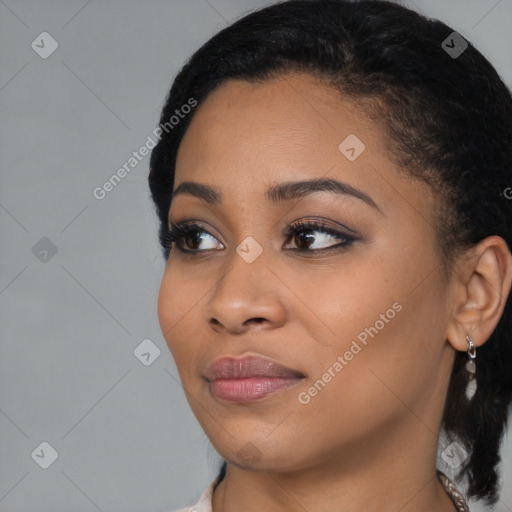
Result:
x=471 y=369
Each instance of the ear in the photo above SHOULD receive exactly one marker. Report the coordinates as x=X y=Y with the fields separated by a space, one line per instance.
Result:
x=482 y=284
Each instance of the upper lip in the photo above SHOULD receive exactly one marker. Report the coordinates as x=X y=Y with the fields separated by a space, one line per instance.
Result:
x=248 y=366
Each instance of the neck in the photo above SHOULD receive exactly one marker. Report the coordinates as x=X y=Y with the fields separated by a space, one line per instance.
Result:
x=381 y=475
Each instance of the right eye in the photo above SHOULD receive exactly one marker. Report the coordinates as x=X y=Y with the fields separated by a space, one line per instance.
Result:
x=189 y=234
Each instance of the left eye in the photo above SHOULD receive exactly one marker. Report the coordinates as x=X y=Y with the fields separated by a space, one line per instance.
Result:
x=302 y=233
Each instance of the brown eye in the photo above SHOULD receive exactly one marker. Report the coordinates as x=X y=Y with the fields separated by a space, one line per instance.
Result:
x=306 y=234
x=189 y=235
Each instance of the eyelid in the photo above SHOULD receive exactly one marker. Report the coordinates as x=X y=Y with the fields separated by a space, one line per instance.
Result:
x=325 y=223
x=191 y=223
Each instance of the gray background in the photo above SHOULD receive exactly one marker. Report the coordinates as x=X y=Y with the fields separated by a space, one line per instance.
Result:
x=125 y=437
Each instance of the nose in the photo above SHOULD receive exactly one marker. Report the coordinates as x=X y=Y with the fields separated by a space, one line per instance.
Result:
x=246 y=296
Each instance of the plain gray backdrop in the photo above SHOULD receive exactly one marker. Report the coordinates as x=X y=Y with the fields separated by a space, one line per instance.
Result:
x=80 y=276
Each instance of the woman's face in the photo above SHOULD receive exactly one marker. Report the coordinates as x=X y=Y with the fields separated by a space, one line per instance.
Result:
x=360 y=315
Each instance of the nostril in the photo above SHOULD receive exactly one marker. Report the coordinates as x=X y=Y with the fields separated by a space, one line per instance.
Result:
x=257 y=320
x=214 y=321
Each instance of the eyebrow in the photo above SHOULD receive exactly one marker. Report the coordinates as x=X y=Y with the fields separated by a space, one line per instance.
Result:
x=280 y=192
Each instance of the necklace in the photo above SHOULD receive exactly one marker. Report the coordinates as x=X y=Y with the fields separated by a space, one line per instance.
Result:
x=453 y=492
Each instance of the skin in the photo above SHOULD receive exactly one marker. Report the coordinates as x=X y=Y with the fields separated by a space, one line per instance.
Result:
x=367 y=441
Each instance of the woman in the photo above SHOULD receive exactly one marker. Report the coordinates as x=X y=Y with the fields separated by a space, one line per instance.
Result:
x=334 y=199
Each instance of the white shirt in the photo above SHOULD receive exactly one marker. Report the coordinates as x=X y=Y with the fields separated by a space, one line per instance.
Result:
x=205 y=501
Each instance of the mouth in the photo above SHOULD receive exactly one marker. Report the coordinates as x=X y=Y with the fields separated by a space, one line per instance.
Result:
x=249 y=378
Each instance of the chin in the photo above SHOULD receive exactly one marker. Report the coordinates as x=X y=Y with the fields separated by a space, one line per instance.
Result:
x=258 y=452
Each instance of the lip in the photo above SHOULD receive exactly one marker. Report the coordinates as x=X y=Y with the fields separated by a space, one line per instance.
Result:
x=249 y=366
x=249 y=378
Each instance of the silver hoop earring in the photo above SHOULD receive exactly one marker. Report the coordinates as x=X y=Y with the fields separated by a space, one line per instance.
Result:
x=471 y=369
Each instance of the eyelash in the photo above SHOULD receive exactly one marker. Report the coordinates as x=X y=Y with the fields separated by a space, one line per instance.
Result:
x=179 y=231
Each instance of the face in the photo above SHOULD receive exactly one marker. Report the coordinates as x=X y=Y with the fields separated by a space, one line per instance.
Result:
x=355 y=304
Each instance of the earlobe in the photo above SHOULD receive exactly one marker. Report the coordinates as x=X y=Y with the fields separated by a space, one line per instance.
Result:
x=484 y=286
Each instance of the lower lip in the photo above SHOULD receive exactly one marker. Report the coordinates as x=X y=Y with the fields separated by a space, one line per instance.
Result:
x=249 y=389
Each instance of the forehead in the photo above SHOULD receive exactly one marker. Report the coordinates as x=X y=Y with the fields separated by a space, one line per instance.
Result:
x=261 y=132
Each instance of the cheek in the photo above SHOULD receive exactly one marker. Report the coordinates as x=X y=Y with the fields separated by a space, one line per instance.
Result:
x=171 y=311
x=180 y=299
x=358 y=387
x=165 y=306
x=389 y=334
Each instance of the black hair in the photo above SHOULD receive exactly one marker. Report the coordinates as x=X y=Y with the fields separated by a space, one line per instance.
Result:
x=448 y=120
